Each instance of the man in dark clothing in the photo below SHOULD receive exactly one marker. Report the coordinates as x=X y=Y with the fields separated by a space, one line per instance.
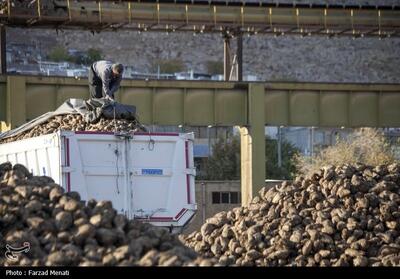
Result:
x=104 y=79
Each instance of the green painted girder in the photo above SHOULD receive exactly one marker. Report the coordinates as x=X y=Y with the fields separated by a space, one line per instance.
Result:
x=199 y=103
x=332 y=105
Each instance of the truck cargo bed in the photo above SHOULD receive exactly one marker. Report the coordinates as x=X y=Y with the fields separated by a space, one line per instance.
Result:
x=147 y=176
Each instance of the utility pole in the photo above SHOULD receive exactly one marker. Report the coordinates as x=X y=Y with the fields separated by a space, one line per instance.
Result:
x=312 y=142
x=239 y=55
x=227 y=57
x=279 y=147
x=209 y=140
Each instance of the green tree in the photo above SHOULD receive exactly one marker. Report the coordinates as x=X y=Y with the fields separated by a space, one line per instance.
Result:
x=288 y=155
x=224 y=163
x=93 y=55
x=59 y=54
x=215 y=67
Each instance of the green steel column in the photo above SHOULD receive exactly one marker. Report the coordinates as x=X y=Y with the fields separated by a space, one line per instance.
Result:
x=16 y=101
x=253 y=145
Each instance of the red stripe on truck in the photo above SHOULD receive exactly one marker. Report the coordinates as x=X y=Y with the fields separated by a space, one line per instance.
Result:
x=187 y=153
x=93 y=133
x=67 y=158
x=160 y=219
x=180 y=213
x=188 y=187
x=156 y=134
x=165 y=219
x=157 y=219
x=68 y=182
x=135 y=134
x=187 y=166
x=67 y=150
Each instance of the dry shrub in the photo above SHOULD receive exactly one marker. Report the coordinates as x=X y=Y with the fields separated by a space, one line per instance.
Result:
x=366 y=145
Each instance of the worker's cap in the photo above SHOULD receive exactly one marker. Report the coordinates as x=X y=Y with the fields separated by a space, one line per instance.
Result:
x=118 y=68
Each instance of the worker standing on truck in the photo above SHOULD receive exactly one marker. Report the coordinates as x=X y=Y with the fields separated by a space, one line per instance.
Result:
x=104 y=79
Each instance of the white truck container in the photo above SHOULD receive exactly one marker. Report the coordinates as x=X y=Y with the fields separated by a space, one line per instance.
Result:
x=147 y=176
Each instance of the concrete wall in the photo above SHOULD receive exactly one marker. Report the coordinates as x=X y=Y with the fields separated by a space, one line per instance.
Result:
x=205 y=207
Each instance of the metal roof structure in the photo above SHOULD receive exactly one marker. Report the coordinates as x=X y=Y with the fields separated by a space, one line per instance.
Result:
x=206 y=16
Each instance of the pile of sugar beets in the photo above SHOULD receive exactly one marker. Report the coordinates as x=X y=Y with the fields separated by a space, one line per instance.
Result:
x=339 y=216
x=75 y=122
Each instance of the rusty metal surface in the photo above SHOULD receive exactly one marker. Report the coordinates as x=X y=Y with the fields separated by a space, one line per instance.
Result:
x=208 y=17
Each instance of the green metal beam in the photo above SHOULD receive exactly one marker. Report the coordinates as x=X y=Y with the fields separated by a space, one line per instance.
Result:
x=200 y=103
x=324 y=105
